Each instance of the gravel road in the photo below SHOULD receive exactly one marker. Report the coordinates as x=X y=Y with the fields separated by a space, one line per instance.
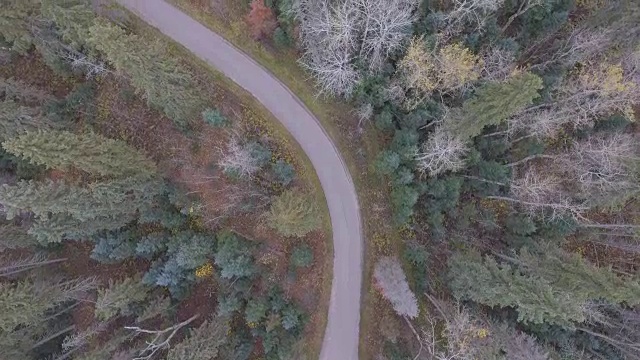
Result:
x=341 y=335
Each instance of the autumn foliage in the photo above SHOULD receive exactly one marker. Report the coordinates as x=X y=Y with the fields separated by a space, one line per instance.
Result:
x=261 y=20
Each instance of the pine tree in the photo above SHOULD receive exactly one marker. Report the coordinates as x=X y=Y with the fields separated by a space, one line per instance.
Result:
x=573 y=274
x=157 y=306
x=119 y=296
x=102 y=199
x=73 y=18
x=403 y=198
x=13 y=89
x=57 y=227
x=553 y=287
x=12 y=237
x=493 y=284
x=293 y=214
x=23 y=303
x=14 y=25
x=495 y=103
x=90 y=152
x=16 y=119
x=203 y=342
x=164 y=82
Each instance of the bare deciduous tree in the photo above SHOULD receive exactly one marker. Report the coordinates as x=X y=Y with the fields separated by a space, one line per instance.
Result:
x=79 y=61
x=238 y=158
x=498 y=64
x=385 y=25
x=440 y=153
x=393 y=283
x=336 y=34
x=596 y=91
x=466 y=336
x=581 y=45
x=604 y=166
x=525 y=5
x=161 y=339
x=538 y=193
x=469 y=12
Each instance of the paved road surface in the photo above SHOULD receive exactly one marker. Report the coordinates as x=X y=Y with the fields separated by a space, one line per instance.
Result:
x=341 y=335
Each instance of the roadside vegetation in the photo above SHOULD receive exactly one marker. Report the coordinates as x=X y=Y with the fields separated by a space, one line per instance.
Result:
x=504 y=132
x=149 y=210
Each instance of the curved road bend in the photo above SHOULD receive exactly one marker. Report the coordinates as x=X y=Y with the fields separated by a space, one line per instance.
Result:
x=342 y=333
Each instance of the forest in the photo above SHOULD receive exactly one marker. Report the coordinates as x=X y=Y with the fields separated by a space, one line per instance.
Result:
x=509 y=149
x=496 y=158
x=149 y=210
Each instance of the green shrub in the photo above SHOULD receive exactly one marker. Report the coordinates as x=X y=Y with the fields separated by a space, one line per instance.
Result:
x=283 y=171
x=215 y=118
x=281 y=38
x=302 y=256
x=293 y=214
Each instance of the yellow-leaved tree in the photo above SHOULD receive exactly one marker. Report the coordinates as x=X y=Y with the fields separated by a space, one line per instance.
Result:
x=445 y=69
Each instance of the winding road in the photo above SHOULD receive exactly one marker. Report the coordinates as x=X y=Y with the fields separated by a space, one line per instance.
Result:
x=342 y=333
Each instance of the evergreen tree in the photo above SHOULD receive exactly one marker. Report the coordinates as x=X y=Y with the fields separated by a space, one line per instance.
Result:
x=157 y=306
x=57 y=227
x=575 y=275
x=387 y=162
x=495 y=103
x=114 y=246
x=90 y=152
x=164 y=82
x=16 y=119
x=403 y=198
x=119 y=296
x=256 y=310
x=228 y=303
x=14 y=24
x=152 y=245
x=203 y=342
x=13 y=237
x=19 y=91
x=291 y=317
x=293 y=214
x=186 y=251
x=24 y=302
x=73 y=18
x=233 y=256
x=553 y=287
x=103 y=199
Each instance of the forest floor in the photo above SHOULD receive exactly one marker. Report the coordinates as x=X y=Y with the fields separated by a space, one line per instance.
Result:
x=359 y=143
x=116 y=111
